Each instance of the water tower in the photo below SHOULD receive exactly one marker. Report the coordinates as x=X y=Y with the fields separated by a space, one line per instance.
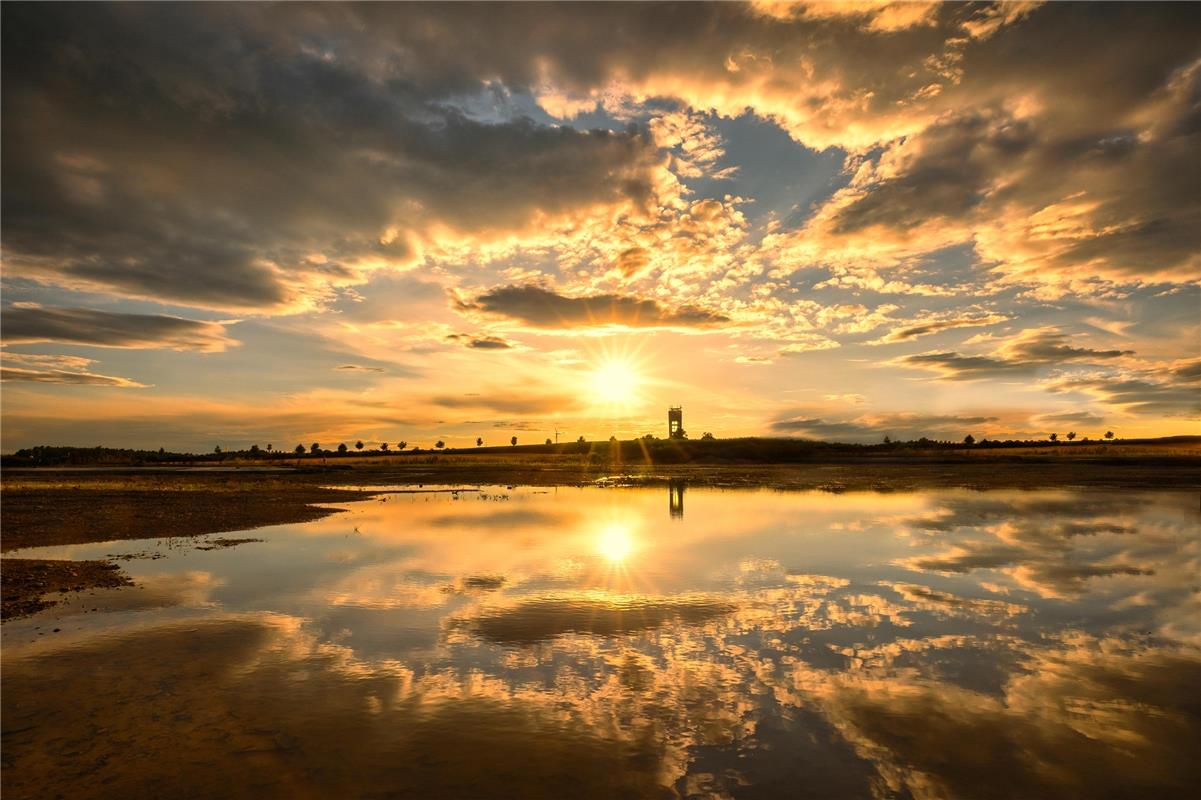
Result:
x=675 y=422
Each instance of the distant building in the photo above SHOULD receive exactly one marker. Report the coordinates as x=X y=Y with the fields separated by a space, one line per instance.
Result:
x=675 y=423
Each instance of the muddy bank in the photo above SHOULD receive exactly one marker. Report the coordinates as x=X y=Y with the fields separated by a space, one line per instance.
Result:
x=91 y=510
x=28 y=585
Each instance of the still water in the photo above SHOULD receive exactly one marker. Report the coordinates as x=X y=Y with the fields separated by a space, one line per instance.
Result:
x=668 y=642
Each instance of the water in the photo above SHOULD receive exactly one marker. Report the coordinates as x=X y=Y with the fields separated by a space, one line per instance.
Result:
x=632 y=643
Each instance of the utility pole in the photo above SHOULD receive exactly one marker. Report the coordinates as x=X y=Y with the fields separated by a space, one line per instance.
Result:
x=556 y=434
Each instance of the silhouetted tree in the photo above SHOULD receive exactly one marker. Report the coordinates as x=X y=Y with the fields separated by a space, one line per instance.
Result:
x=1071 y=435
x=314 y=448
x=581 y=440
x=439 y=444
x=887 y=440
x=969 y=439
x=358 y=445
x=401 y=445
x=299 y=449
x=613 y=438
x=217 y=449
x=706 y=436
x=479 y=441
x=342 y=447
x=1055 y=437
x=268 y=448
x=161 y=451
x=513 y=441
x=548 y=440
x=384 y=446
x=1109 y=434
x=254 y=449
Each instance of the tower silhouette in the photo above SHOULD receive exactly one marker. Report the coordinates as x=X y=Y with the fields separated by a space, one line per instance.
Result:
x=675 y=422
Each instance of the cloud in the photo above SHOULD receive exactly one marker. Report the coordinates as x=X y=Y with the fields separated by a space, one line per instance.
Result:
x=1138 y=395
x=871 y=428
x=480 y=342
x=70 y=370
x=917 y=329
x=1024 y=354
x=107 y=329
x=264 y=176
x=509 y=402
x=543 y=308
x=359 y=368
x=1072 y=418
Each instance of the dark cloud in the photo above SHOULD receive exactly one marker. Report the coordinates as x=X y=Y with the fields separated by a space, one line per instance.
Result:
x=1189 y=373
x=65 y=377
x=543 y=308
x=947 y=177
x=1024 y=354
x=873 y=428
x=938 y=325
x=509 y=402
x=1095 y=180
x=1046 y=346
x=482 y=342
x=1137 y=395
x=203 y=156
x=359 y=368
x=1072 y=418
x=108 y=329
x=954 y=366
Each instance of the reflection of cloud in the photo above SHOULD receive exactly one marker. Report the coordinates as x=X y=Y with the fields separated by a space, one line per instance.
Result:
x=933 y=599
x=542 y=618
x=1054 y=545
x=413 y=736
x=191 y=589
x=1107 y=716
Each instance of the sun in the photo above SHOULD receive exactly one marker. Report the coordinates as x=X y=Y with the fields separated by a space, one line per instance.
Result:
x=616 y=382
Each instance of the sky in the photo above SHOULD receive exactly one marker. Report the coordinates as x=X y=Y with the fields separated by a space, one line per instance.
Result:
x=235 y=224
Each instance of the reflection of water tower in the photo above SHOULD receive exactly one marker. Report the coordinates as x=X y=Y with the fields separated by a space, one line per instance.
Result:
x=675 y=422
x=675 y=498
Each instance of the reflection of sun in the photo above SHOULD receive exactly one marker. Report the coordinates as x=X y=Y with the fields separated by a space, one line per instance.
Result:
x=615 y=542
